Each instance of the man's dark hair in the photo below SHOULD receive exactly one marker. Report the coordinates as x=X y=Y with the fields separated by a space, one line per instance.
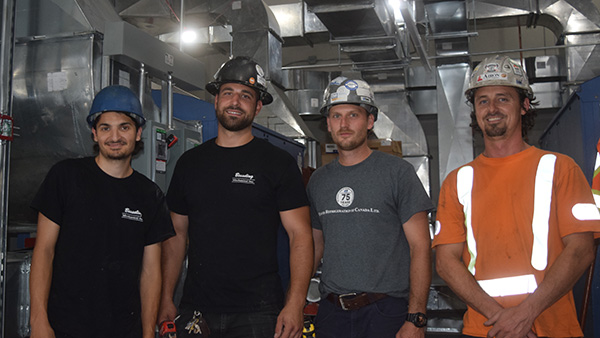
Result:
x=527 y=120
x=139 y=145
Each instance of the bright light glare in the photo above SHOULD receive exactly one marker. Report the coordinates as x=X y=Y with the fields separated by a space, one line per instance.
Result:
x=395 y=5
x=189 y=36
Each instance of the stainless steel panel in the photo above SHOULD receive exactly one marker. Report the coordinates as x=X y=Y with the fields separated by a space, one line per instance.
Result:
x=16 y=312
x=56 y=17
x=423 y=101
x=396 y=121
x=455 y=135
x=419 y=76
x=421 y=165
x=289 y=17
x=54 y=85
x=447 y=16
x=548 y=94
x=282 y=116
x=306 y=101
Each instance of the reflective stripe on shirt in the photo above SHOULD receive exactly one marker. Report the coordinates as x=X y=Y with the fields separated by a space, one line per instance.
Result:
x=541 y=211
x=509 y=286
x=464 y=187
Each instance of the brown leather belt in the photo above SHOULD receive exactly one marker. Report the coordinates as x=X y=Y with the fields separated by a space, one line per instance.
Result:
x=354 y=301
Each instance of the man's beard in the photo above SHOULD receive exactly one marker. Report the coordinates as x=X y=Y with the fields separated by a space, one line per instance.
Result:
x=124 y=153
x=349 y=144
x=494 y=130
x=235 y=123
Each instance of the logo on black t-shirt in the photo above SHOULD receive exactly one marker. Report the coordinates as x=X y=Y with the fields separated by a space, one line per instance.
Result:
x=133 y=215
x=243 y=178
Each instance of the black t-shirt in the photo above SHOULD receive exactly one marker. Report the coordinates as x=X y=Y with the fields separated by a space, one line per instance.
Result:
x=232 y=197
x=105 y=223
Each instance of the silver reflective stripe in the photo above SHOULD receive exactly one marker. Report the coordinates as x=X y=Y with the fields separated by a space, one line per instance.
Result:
x=585 y=212
x=541 y=211
x=509 y=286
x=464 y=186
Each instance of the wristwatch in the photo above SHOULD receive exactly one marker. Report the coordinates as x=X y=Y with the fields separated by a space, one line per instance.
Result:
x=419 y=319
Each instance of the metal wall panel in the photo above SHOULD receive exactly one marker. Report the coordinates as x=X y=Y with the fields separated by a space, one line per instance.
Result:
x=54 y=85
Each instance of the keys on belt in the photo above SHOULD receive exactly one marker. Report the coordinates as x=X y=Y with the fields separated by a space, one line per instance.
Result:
x=353 y=300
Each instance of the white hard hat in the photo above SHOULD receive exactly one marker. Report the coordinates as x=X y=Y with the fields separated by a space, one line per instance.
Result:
x=343 y=90
x=498 y=71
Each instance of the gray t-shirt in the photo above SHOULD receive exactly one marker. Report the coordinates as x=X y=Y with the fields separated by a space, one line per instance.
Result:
x=361 y=209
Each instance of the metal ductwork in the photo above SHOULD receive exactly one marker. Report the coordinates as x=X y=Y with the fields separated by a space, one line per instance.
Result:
x=52 y=18
x=365 y=30
x=576 y=23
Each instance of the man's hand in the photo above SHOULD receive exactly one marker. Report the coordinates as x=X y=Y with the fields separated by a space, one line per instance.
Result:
x=167 y=311
x=511 y=322
x=42 y=330
x=409 y=330
x=290 y=322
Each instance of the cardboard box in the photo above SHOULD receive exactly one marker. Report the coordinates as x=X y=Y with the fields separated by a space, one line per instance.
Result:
x=329 y=150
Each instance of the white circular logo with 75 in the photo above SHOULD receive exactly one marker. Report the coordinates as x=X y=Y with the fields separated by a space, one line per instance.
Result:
x=345 y=196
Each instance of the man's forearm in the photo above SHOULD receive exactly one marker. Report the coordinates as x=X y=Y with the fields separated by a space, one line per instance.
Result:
x=173 y=254
x=452 y=270
x=301 y=263
x=576 y=257
x=150 y=285
x=420 y=279
x=39 y=285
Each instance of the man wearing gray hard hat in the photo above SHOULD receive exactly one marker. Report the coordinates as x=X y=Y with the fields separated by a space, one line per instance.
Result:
x=228 y=196
x=515 y=227
x=370 y=226
x=95 y=270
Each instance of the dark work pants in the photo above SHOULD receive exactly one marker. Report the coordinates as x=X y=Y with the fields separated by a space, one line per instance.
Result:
x=381 y=319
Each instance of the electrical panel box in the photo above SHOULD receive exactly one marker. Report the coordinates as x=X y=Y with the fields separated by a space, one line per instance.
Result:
x=152 y=160
x=188 y=137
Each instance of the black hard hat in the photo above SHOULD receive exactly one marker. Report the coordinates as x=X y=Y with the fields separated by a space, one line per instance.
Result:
x=243 y=70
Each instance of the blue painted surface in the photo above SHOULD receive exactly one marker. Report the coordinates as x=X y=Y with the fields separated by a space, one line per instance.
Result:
x=188 y=108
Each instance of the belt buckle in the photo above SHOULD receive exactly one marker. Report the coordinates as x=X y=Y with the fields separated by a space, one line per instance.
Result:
x=341 y=299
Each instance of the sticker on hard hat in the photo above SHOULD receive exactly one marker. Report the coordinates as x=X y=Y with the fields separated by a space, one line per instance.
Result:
x=492 y=68
x=260 y=71
x=342 y=91
x=361 y=91
x=334 y=97
x=492 y=76
x=351 y=85
x=338 y=80
x=251 y=80
x=365 y=98
x=517 y=70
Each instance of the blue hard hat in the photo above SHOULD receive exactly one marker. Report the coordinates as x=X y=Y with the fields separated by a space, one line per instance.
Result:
x=116 y=99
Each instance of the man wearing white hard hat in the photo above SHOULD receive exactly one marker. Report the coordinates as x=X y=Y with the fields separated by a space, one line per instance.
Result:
x=370 y=226
x=515 y=227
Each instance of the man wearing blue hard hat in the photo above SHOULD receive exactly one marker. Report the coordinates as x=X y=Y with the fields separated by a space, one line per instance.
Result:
x=95 y=269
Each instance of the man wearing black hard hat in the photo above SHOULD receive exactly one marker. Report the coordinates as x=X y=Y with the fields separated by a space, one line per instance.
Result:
x=228 y=196
x=95 y=270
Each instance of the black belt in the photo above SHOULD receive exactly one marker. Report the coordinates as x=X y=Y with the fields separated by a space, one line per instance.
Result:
x=354 y=301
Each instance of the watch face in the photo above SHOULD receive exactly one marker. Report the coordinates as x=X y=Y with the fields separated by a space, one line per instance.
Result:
x=421 y=320
x=418 y=319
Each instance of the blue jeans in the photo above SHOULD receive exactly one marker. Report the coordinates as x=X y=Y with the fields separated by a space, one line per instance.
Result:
x=381 y=319
x=259 y=324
